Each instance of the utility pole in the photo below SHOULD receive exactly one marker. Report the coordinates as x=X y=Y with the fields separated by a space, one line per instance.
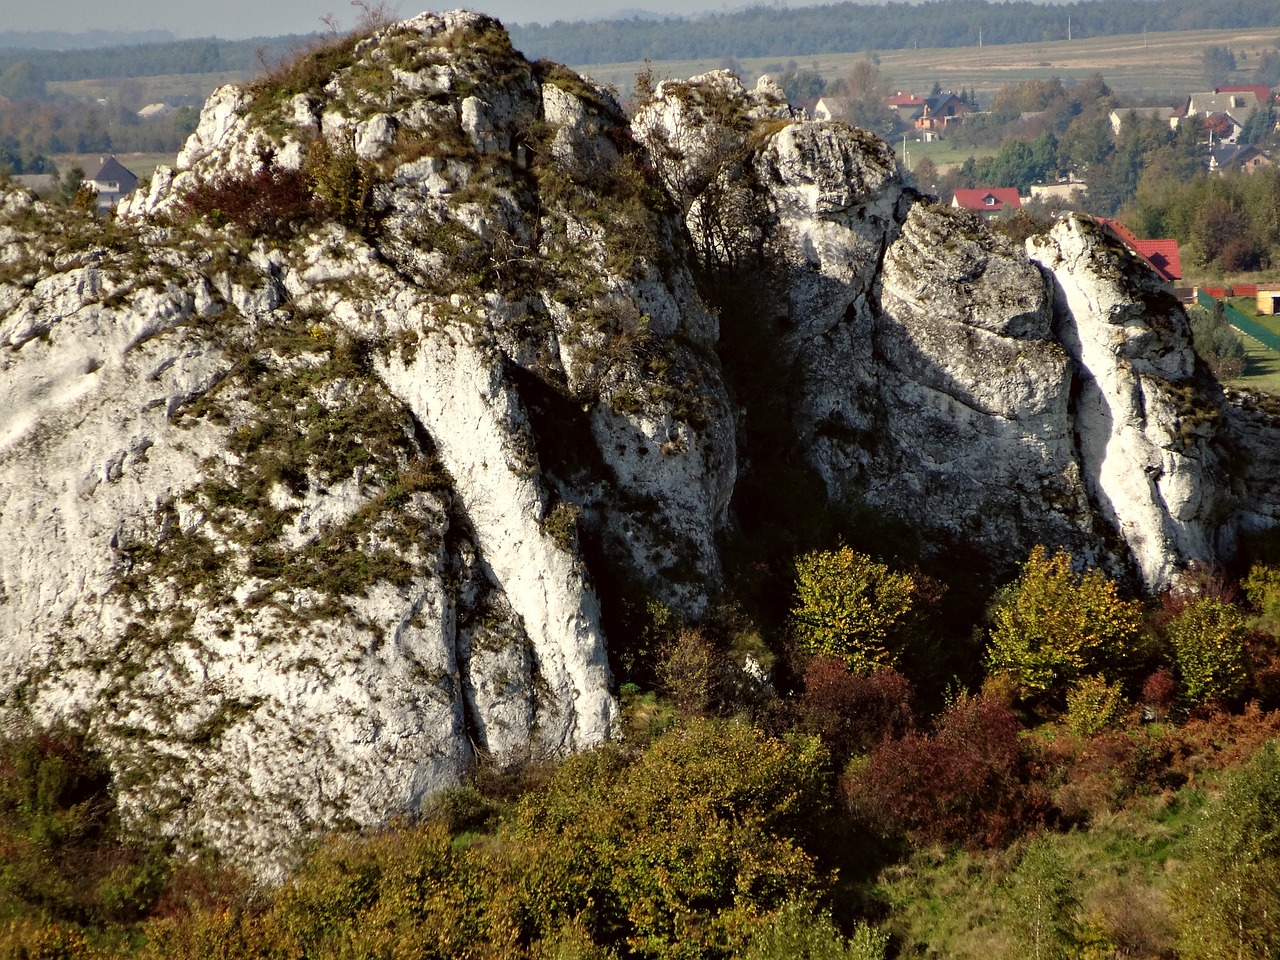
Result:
x=1068 y=27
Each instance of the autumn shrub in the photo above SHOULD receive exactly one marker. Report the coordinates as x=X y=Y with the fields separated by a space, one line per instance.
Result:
x=1208 y=640
x=1054 y=626
x=1093 y=705
x=693 y=673
x=851 y=607
x=1088 y=776
x=677 y=854
x=270 y=201
x=968 y=782
x=1157 y=693
x=853 y=713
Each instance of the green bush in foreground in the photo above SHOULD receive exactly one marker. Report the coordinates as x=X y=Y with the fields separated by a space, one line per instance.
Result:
x=796 y=934
x=1229 y=899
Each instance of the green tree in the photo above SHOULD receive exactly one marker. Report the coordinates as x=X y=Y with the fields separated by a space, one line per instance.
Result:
x=21 y=81
x=1216 y=342
x=1042 y=904
x=850 y=607
x=796 y=933
x=1208 y=639
x=1228 y=898
x=1260 y=125
x=1053 y=626
x=1219 y=64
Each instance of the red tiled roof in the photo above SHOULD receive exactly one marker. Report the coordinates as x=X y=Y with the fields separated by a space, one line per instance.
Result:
x=1161 y=254
x=985 y=199
x=906 y=100
x=1261 y=90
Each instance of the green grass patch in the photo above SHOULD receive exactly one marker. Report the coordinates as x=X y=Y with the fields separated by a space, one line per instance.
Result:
x=1115 y=883
x=945 y=153
x=1261 y=367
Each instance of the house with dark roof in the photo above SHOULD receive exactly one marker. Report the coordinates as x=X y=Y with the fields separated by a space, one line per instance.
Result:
x=1161 y=255
x=987 y=202
x=1232 y=156
x=940 y=112
x=112 y=181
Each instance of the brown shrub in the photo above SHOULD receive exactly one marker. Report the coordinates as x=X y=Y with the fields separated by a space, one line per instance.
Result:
x=270 y=201
x=970 y=782
x=852 y=713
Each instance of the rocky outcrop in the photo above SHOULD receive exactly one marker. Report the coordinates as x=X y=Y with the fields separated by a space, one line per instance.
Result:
x=980 y=393
x=326 y=467
x=305 y=456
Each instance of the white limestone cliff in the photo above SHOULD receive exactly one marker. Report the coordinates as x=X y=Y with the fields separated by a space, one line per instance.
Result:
x=325 y=466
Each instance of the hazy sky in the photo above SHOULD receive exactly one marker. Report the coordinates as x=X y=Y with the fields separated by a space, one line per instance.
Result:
x=244 y=18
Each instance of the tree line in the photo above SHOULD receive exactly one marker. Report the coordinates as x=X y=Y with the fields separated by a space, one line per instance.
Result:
x=842 y=27
x=211 y=55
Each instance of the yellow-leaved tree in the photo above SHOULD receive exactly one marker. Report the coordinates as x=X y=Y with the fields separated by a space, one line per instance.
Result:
x=1053 y=626
x=851 y=607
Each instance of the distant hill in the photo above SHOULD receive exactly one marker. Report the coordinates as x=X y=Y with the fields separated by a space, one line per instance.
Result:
x=849 y=27
x=86 y=40
x=133 y=59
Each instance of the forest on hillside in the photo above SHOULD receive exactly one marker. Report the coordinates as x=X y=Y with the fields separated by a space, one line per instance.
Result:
x=845 y=27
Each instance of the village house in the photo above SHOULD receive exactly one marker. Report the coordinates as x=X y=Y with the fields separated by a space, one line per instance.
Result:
x=112 y=181
x=987 y=202
x=1246 y=159
x=1268 y=299
x=908 y=106
x=1224 y=112
x=1064 y=191
x=1163 y=114
x=1161 y=255
x=938 y=113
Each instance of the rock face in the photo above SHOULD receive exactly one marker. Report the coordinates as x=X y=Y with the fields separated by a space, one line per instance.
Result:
x=316 y=464
x=298 y=484
x=980 y=393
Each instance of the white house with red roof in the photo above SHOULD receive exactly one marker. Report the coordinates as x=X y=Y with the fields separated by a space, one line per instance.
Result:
x=987 y=201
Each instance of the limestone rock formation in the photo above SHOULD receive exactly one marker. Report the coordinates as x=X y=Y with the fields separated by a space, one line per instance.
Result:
x=303 y=457
x=980 y=393
x=317 y=462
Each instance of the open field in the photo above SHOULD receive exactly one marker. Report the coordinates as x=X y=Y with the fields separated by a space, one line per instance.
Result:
x=945 y=153
x=192 y=88
x=1166 y=65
